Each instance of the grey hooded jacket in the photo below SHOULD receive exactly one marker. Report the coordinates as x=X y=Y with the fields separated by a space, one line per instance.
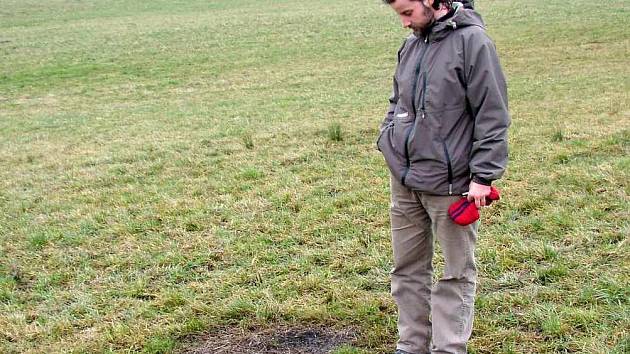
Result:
x=448 y=115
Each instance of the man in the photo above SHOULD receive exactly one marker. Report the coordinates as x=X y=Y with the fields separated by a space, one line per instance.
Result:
x=445 y=135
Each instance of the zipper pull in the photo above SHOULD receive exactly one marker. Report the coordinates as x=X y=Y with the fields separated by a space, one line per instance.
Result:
x=422 y=114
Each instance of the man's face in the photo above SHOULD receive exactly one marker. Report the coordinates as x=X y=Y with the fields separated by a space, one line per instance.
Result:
x=413 y=14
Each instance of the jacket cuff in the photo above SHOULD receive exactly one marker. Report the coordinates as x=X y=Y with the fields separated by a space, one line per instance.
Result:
x=480 y=180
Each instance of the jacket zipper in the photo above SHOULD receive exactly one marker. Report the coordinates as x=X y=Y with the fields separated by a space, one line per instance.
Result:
x=449 y=167
x=424 y=91
x=413 y=105
x=417 y=75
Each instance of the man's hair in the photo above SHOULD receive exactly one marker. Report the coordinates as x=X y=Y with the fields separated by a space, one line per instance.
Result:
x=436 y=4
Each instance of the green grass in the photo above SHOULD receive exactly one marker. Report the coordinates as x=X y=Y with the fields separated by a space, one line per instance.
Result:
x=173 y=167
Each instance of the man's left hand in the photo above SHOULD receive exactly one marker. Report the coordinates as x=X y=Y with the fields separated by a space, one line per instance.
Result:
x=478 y=193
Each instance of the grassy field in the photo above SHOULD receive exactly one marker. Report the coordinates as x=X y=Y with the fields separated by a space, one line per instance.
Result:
x=171 y=168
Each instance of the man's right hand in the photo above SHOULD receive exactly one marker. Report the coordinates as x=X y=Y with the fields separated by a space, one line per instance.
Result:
x=478 y=193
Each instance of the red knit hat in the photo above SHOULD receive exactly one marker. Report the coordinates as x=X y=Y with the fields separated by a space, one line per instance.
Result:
x=464 y=212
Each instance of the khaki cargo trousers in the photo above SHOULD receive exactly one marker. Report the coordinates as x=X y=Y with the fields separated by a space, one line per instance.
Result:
x=438 y=318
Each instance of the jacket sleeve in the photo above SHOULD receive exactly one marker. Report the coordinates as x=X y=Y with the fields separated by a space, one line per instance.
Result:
x=487 y=96
x=393 y=98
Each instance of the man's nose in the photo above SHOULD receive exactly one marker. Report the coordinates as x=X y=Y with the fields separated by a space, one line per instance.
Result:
x=405 y=22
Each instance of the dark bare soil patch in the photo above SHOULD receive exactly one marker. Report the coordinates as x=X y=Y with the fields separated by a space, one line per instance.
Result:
x=276 y=340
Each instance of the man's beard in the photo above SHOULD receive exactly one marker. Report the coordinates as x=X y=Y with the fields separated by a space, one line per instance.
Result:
x=428 y=14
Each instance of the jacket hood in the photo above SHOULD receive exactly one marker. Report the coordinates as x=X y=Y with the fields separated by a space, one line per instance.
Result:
x=462 y=17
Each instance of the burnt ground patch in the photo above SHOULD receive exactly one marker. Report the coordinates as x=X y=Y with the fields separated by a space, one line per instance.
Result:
x=269 y=340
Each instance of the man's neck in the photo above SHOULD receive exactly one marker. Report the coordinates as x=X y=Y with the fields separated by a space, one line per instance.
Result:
x=438 y=14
